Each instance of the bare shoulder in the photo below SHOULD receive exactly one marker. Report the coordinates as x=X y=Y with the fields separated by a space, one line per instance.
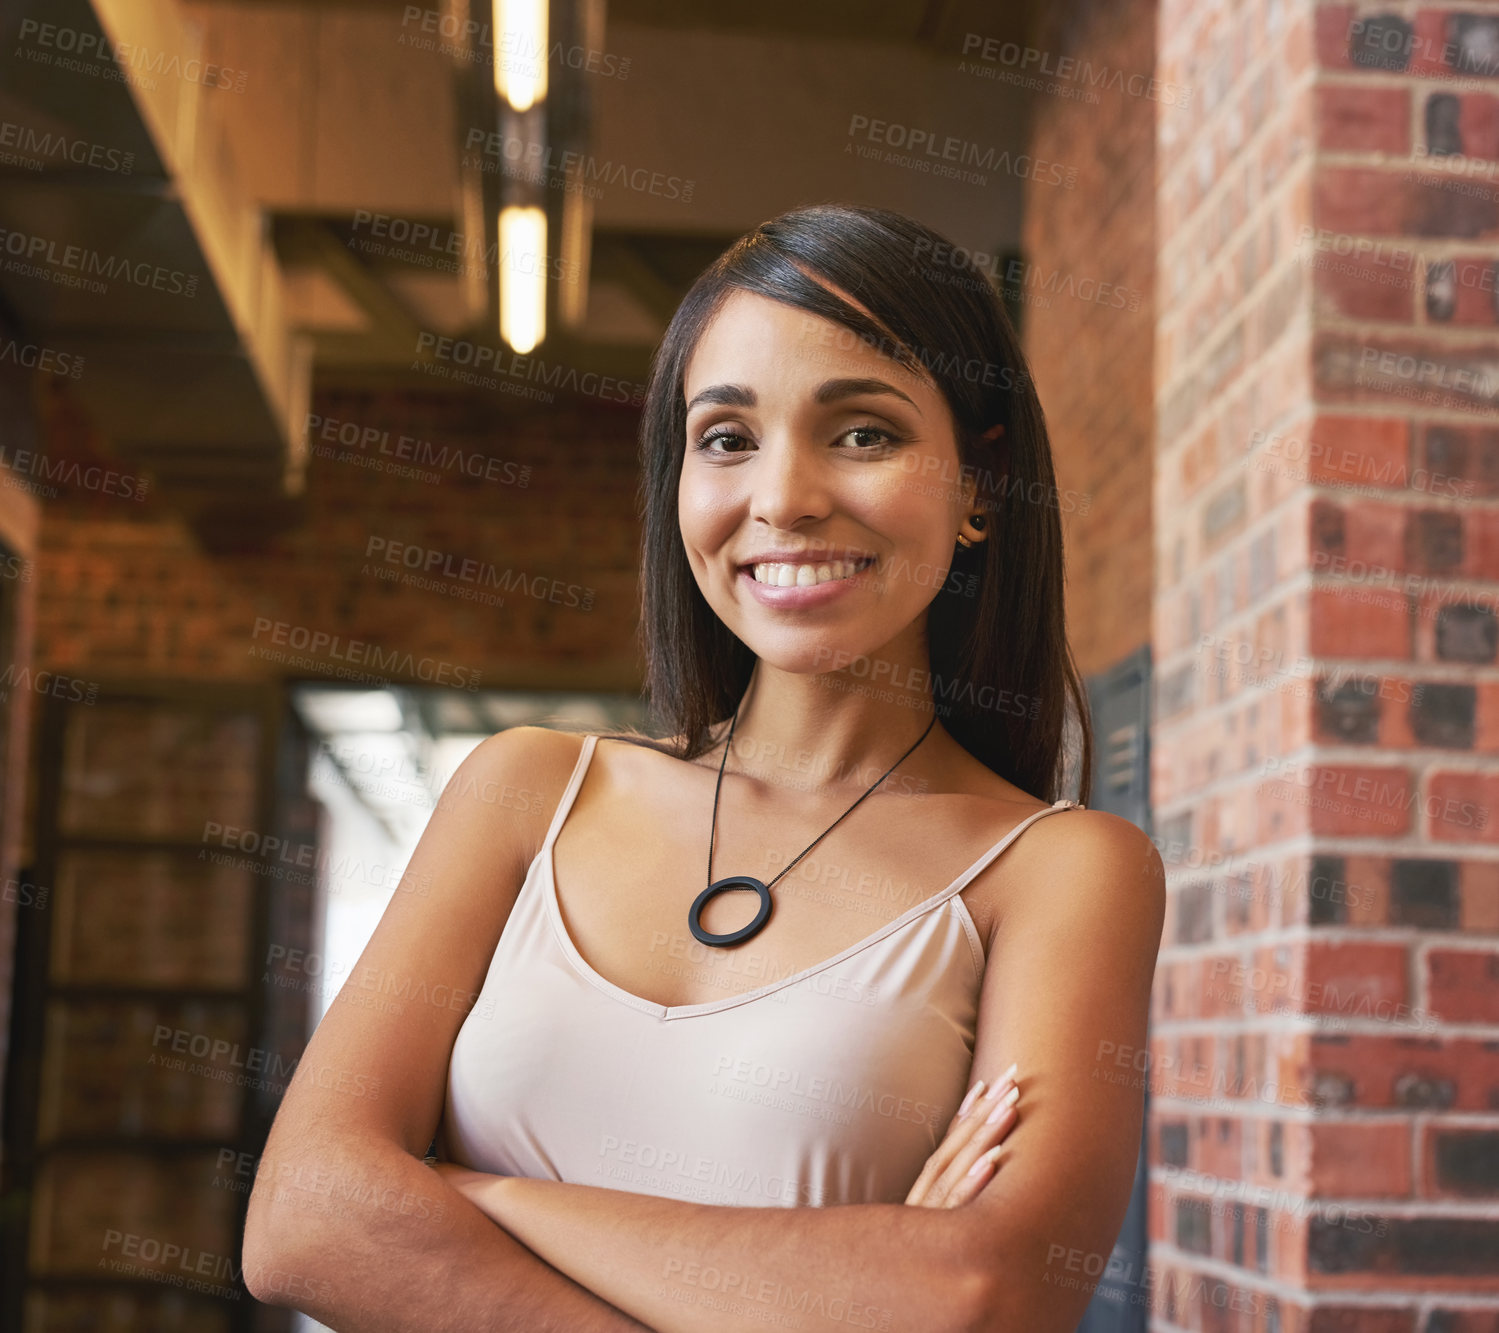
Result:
x=432 y=947
x=1085 y=863
x=520 y=771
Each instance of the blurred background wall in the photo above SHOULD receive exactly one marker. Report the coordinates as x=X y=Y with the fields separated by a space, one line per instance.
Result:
x=286 y=527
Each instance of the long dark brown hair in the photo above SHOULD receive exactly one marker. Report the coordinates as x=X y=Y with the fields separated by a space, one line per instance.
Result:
x=1002 y=669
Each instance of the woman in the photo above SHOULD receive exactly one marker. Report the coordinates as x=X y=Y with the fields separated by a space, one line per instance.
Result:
x=852 y=596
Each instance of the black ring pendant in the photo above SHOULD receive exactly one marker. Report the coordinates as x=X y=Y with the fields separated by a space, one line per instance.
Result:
x=734 y=936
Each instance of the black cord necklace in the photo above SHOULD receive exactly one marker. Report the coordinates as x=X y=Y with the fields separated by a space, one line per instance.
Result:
x=715 y=887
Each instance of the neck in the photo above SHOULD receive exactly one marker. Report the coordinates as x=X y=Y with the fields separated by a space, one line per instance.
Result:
x=832 y=729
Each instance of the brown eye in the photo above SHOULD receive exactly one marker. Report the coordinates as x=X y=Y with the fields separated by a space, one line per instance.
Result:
x=867 y=445
x=705 y=442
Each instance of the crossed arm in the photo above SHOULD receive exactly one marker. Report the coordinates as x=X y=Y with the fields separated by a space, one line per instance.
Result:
x=671 y=1263
x=1068 y=977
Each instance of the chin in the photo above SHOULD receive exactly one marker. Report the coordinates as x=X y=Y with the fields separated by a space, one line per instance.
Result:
x=809 y=653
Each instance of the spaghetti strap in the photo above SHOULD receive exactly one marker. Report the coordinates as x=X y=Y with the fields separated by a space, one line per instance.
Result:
x=963 y=880
x=570 y=792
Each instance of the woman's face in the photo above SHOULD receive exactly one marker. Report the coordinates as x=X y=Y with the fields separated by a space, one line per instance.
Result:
x=805 y=446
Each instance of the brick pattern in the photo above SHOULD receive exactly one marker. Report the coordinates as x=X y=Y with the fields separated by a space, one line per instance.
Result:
x=1326 y=1079
x=1088 y=307
x=126 y=589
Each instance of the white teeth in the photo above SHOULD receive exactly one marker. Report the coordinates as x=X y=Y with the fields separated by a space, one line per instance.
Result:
x=804 y=576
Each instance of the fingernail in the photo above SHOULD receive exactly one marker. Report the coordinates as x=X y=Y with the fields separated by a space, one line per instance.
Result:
x=983 y=1160
x=1007 y=1101
x=968 y=1100
x=1000 y=1082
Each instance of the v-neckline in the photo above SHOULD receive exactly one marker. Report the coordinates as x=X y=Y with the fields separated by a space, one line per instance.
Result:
x=547 y=857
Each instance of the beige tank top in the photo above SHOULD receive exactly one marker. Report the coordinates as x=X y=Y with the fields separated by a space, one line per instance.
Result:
x=833 y=1085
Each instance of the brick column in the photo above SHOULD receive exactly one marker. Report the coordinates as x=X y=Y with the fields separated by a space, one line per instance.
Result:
x=1325 y=1041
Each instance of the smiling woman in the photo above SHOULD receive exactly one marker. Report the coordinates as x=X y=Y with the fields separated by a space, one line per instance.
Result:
x=853 y=629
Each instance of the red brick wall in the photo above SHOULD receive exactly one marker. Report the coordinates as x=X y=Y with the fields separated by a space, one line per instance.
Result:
x=1088 y=313
x=547 y=525
x=1326 y=1116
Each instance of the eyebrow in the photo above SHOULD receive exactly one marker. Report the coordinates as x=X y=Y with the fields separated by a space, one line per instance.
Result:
x=829 y=391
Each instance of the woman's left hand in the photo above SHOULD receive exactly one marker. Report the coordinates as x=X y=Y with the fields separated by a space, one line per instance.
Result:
x=968 y=1156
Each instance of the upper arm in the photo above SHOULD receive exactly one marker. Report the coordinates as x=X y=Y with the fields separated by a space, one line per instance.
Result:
x=1068 y=978
x=377 y=1063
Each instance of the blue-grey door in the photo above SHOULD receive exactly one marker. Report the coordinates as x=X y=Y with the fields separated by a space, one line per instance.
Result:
x=1119 y=700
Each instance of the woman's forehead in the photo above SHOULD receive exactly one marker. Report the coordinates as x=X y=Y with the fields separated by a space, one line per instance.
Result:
x=756 y=337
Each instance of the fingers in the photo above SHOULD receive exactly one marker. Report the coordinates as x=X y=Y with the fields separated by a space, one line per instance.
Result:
x=972 y=1181
x=982 y=1120
x=988 y=1121
x=973 y=1116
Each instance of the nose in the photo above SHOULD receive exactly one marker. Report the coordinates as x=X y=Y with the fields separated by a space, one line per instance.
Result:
x=789 y=482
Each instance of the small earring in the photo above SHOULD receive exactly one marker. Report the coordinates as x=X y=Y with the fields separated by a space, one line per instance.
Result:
x=978 y=521
x=964 y=542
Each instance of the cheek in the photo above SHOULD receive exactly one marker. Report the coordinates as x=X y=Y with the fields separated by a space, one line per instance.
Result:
x=705 y=519
x=705 y=514
x=913 y=511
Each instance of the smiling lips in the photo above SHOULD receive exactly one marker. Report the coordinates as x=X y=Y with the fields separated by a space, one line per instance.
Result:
x=806 y=574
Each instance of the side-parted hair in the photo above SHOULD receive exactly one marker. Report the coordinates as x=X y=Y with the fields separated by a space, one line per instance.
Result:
x=1002 y=670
